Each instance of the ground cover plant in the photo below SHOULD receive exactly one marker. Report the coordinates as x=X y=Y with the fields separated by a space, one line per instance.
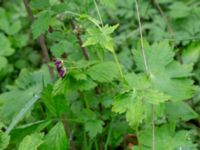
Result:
x=99 y=74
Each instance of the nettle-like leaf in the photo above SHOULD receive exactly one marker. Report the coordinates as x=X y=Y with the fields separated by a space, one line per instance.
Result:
x=175 y=140
x=73 y=82
x=85 y=85
x=135 y=104
x=41 y=24
x=92 y=124
x=134 y=116
x=61 y=47
x=56 y=139
x=128 y=102
x=31 y=142
x=179 y=10
x=166 y=74
x=101 y=36
x=168 y=80
x=8 y=24
x=55 y=104
x=103 y=72
x=93 y=127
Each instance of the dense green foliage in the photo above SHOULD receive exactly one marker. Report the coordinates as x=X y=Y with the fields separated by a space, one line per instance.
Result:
x=116 y=93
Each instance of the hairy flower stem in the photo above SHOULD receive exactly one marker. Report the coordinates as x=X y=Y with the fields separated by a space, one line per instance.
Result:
x=147 y=70
x=96 y=6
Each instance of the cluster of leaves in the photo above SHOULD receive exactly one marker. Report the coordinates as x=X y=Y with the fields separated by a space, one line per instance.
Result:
x=106 y=99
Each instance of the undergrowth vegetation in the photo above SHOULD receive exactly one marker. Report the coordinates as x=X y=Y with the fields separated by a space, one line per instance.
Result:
x=99 y=74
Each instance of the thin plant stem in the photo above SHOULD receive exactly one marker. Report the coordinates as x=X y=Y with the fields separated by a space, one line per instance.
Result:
x=153 y=128
x=96 y=145
x=85 y=100
x=109 y=134
x=118 y=65
x=78 y=36
x=139 y=144
x=85 y=141
x=96 y=6
x=113 y=52
x=141 y=38
x=147 y=70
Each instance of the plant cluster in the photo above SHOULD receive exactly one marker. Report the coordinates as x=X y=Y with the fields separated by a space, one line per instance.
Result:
x=100 y=74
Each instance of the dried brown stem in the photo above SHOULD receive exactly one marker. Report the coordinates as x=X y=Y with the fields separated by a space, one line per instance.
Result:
x=78 y=36
x=41 y=39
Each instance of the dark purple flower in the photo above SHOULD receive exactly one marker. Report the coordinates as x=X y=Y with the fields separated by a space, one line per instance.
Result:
x=60 y=68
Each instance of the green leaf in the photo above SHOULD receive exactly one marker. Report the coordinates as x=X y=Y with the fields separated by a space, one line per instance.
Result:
x=180 y=110
x=129 y=102
x=61 y=86
x=56 y=139
x=55 y=104
x=61 y=47
x=4 y=140
x=85 y=85
x=108 y=3
x=135 y=116
x=177 y=140
x=60 y=8
x=8 y=24
x=138 y=81
x=166 y=75
x=3 y=62
x=26 y=86
x=5 y=46
x=93 y=127
x=15 y=27
x=191 y=54
x=177 y=70
x=37 y=79
x=4 y=23
x=22 y=112
x=101 y=36
x=31 y=142
x=18 y=133
x=38 y=4
x=179 y=10
x=154 y=96
x=122 y=101
x=155 y=62
x=12 y=102
x=106 y=30
x=41 y=24
x=103 y=72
